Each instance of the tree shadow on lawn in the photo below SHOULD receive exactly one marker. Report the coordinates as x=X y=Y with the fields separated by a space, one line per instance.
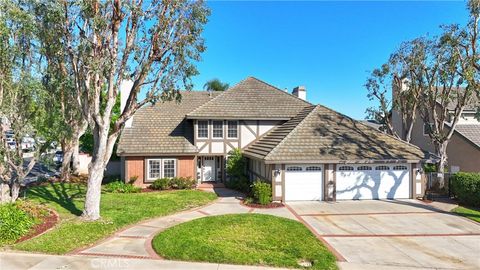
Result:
x=62 y=194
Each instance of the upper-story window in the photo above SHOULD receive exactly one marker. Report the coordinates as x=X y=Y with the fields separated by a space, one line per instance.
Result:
x=217 y=129
x=232 y=131
x=202 y=130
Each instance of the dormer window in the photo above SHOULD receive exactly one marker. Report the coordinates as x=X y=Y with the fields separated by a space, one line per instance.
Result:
x=202 y=130
x=217 y=129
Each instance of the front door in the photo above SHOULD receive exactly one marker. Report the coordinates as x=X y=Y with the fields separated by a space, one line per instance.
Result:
x=208 y=169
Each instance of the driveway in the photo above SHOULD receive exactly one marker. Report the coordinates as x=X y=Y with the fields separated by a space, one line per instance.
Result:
x=393 y=233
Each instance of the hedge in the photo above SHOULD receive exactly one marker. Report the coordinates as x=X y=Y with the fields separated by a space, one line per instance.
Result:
x=466 y=187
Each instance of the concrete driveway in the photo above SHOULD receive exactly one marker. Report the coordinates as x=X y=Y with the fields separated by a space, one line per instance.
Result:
x=393 y=233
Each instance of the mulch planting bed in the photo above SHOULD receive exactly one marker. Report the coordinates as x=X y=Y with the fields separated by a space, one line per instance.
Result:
x=47 y=223
x=270 y=205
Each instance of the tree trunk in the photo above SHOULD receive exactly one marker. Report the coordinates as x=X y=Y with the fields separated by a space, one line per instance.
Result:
x=68 y=149
x=76 y=158
x=92 y=199
x=442 y=154
x=96 y=171
x=4 y=193
x=14 y=191
x=76 y=148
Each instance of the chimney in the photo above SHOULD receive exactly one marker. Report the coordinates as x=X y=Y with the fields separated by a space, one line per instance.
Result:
x=125 y=88
x=300 y=92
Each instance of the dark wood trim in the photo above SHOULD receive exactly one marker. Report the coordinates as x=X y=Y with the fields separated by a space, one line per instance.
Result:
x=251 y=130
x=258 y=129
x=334 y=182
x=413 y=181
x=282 y=170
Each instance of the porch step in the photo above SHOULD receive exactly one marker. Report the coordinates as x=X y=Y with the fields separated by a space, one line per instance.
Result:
x=211 y=185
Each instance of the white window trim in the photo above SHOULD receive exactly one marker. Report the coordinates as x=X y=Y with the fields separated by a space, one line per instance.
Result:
x=174 y=166
x=228 y=127
x=150 y=179
x=198 y=129
x=213 y=129
x=148 y=168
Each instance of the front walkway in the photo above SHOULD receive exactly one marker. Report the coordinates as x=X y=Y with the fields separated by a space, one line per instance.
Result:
x=135 y=241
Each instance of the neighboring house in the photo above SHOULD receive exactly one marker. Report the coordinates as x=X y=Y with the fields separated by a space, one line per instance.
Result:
x=307 y=152
x=463 y=150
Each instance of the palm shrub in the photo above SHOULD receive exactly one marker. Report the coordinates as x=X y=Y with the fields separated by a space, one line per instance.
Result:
x=262 y=192
x=466 y=187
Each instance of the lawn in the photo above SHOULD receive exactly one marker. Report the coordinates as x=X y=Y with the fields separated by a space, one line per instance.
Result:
x=249 y=239
x=469 y=212
x=117 y=209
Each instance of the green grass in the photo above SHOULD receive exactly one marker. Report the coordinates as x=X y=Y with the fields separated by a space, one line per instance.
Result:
x=249 y=239
x=469 y=212
x=117 y=209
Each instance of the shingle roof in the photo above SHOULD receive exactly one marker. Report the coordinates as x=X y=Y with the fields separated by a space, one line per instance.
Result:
x=251 y=99
x=325 y=135
x=162 y=128
x=470 y=131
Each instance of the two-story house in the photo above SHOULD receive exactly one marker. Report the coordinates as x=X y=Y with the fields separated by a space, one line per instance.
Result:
x=463 y=150
x=306 y=151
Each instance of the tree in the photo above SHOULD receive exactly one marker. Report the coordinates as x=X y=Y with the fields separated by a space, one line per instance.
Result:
x=22 y=97
x=151 y=44
x=215 y=85
x=70 y=125
x=398 y=75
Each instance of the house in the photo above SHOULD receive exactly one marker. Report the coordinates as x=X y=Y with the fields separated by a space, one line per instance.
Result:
x=307 y=152
x=463 y=150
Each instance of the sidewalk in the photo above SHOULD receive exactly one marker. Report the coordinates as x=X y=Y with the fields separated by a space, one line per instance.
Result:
x=22 y=261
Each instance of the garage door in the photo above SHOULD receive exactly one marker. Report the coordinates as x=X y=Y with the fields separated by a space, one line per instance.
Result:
x=303 y=182
x=381 y=181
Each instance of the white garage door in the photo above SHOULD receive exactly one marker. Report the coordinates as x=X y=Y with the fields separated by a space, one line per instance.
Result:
x=380 y=181
x=303 y=182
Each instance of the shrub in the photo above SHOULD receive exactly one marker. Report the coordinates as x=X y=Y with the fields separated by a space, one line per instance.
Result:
x=173 y=183
x=236 y=164
x=183 y=183
x=262 y=192
x=241 y=184
x=466 y=187
x=161 y=184
x=121 y=187
x=14 y=223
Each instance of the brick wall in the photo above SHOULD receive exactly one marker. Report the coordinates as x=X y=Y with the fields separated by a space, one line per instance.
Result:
x=186 y=167
x=135 y=166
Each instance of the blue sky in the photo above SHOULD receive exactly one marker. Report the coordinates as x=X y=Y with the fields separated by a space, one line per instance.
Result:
x=329 y=47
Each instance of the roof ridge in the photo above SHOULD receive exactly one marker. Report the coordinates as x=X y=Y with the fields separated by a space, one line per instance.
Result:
x=236 y=85
x=278 y=89
x=369 y=127
x=312 y=108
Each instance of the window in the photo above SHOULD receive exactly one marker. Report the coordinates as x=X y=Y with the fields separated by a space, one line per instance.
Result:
x=232 y=129
x=399 y=168
x=313 y=169
x=159 y=168
x=168 y=168
x=294 y=169
x=364 y=168
x=217 y=129
x=202 y=131
x=382 y=168
x=427 y=128
x=345 y=168
x=154 y=166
